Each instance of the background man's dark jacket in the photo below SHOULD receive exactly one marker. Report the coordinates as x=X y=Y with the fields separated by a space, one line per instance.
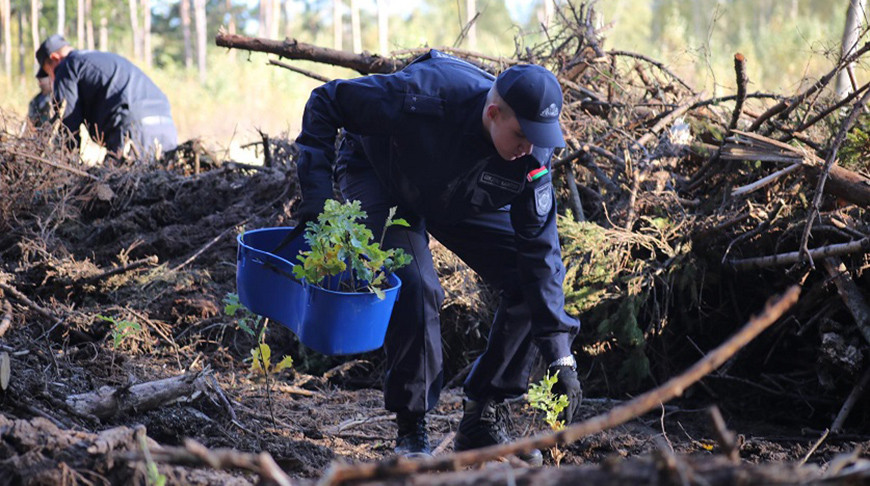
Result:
x=115 y=99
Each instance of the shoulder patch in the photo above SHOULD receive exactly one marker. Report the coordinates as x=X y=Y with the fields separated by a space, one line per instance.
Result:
x=544 y=199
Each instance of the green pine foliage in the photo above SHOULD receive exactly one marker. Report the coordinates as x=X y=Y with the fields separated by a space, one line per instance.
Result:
x=619 y=281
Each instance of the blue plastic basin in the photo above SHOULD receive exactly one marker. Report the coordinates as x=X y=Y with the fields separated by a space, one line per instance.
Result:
x=327 y=321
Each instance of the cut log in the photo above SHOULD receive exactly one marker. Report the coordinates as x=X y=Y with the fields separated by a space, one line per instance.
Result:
x=108 y=402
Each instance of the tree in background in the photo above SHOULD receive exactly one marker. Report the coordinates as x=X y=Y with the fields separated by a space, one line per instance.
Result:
x=185 y=33
x=383 y=27
x=356 y=34
x=337 y=26
x=134 y=28
x=855 y=17
x=200 y=20
x=6 y=20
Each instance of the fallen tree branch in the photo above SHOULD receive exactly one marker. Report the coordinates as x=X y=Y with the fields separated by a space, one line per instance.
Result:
x=195 y=454
x=665 y=121
x=858 y=246
x=636 y=407
x=29 y=303
x=785 y=106
x=824 y=113
x=853 y=397
x=850 y=293
x=108 y=401
x=830 y=162
x=294 y=49
x=7 y=318
x=54 y=164
x=843 y=183
x=765 y=181
x=742 y=79
x=150 y=260
x=297 y=70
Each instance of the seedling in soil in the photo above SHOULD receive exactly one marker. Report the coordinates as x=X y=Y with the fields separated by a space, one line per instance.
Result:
x=338 y=242
x=541 y=397
x=247 y=320
x=261 y=353
x=121 y=330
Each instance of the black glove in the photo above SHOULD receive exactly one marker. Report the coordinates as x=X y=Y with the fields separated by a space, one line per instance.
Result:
x=568 y=385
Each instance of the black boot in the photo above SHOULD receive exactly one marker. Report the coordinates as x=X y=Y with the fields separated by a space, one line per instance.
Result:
x=413 y=441
x=483 y=424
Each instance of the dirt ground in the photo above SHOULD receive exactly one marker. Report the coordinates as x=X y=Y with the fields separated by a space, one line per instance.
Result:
x=64 y=311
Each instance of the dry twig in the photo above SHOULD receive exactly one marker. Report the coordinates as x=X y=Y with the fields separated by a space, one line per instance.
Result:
x=634 y=408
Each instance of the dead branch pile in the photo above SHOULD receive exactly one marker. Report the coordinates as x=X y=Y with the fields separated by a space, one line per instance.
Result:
x=688 y=211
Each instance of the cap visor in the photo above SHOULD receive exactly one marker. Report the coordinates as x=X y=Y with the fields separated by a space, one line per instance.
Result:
x=41 y=73
x=547 y=135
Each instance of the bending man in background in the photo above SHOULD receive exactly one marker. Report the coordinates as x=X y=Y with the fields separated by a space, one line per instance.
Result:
x=115 y=99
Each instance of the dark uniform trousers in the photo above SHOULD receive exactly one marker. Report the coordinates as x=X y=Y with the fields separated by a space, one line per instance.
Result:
x=145 y=124
x=484 y=242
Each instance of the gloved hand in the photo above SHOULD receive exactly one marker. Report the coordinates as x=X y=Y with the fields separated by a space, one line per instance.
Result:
x=569 y=385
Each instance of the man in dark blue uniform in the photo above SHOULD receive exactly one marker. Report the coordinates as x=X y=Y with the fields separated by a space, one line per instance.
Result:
x=114 y=98
x=465 y=157
x=39 y=108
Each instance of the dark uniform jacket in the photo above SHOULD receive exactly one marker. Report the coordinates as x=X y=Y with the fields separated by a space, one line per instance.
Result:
x=421 y=129
x=39 y=109
x=114 y=98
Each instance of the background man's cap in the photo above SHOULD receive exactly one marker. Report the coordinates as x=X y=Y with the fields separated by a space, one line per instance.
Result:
x=53 y=43
x=534 y=94
x=41 y=73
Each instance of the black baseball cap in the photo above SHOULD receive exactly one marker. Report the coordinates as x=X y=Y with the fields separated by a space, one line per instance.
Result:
x=41 y=73
x=52 y=44
x=534 y=94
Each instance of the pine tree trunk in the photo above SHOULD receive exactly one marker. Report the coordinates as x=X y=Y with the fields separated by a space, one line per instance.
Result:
x=549 y=13
x=383 y=26
x=34 y=24
x=6 y=18
x=336 y=24
x=232 y=26
x=185 y=32
x=263 y=18
x=104 y=34
x=61 y=17
x=199 y=18
x=850 y=39
x=146 y=32
x=274 y=25
x=356 y=35
x=134 y=26
x=80 y=24
x=21 y=48
x=89 y=23
x=470 y=12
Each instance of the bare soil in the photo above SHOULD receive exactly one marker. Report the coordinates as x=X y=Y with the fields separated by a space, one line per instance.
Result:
x=63 y=340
